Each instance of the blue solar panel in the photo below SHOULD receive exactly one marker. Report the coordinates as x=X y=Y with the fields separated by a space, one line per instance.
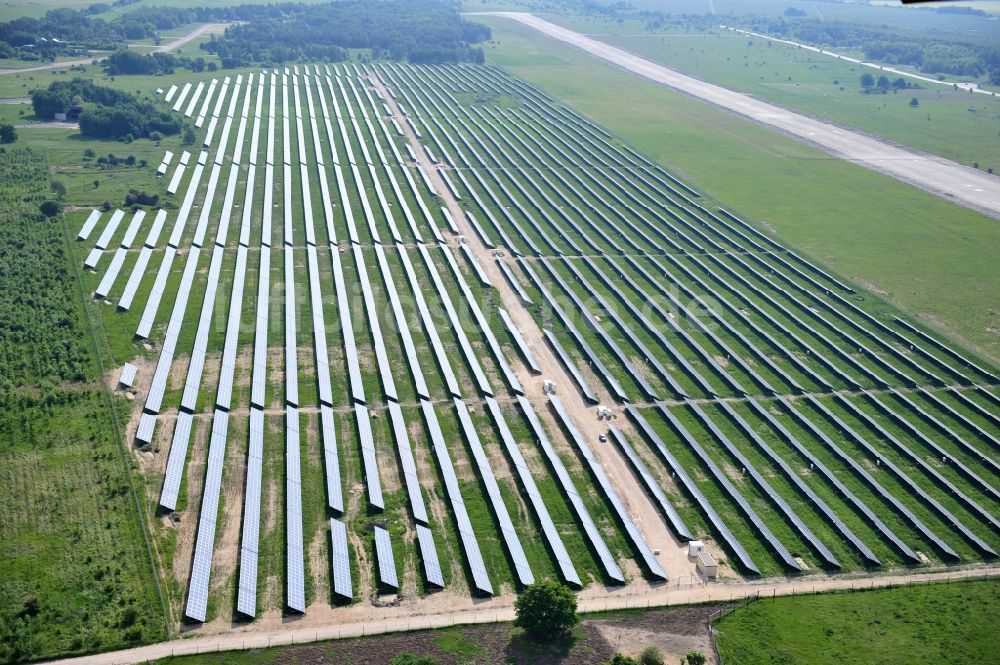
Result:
x=429 y=555
x=369 y=456
x=201 y=568
x=246 y=601
x=386 y=562
x=485 y=473
x=295 y=598
x=341 y=560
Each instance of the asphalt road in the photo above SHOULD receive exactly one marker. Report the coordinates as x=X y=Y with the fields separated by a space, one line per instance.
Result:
x=961 y=184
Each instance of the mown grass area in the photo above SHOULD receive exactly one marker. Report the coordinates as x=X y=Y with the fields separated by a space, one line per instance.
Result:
x=916 y=251
x=78 y=574
x=954 y=124
x=948 y=623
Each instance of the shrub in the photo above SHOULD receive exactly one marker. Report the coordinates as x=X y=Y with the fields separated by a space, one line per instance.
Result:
x=695 y=658
x=622 y=659
x=651 y=655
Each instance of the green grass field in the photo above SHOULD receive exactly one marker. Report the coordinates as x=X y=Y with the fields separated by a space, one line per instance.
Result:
x=928 y=257
x=943 y=623
x=955 y=125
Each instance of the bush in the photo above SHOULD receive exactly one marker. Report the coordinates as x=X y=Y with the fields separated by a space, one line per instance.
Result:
x=50 y=208
x=135 y=197
x=622 y=659
x=8 y=133
x=695 y=658
x=651 y=655
x=546 y=610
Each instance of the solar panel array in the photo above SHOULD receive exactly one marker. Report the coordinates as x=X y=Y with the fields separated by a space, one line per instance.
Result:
x=600 y=547
x=466 y=533
x=607 y=244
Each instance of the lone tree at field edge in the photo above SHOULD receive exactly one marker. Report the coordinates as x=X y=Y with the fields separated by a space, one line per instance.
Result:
x=546 y=610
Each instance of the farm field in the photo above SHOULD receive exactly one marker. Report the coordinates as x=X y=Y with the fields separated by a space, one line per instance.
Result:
x=913 y=250
x=332 y=415
x=953 y=124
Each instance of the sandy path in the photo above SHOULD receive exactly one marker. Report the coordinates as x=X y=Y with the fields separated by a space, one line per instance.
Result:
x=672 y=555
x=961 y=184
x=392 y=619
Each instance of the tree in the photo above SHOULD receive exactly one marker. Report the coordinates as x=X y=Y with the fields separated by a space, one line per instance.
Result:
x=188 y=137
x=58 y=188
x=867 y=81
x=914 y=102
x=50 y=208
x=8 y=133
x=882 y=83
x=695 y=658
x=546 y=610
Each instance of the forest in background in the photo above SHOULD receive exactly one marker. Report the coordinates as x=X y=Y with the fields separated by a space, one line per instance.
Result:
x=421 y=31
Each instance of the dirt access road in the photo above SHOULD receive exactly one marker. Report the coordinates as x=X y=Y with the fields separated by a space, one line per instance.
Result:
x=672 y=553
x=388 y=620
x=208 y=28
x=961 y=184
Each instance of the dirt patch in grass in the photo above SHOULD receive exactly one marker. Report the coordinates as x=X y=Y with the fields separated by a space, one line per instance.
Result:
x=674 y=630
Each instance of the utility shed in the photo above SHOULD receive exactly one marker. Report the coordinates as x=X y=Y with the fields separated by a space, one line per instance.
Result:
x=706 y=565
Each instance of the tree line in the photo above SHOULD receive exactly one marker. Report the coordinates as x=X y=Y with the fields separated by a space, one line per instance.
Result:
x=933 y=54
x=421 y=31
x=107 y=112
x=424 y=31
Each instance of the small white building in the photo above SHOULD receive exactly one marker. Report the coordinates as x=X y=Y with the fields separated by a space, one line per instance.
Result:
x=694 y=547
x=706 y=565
